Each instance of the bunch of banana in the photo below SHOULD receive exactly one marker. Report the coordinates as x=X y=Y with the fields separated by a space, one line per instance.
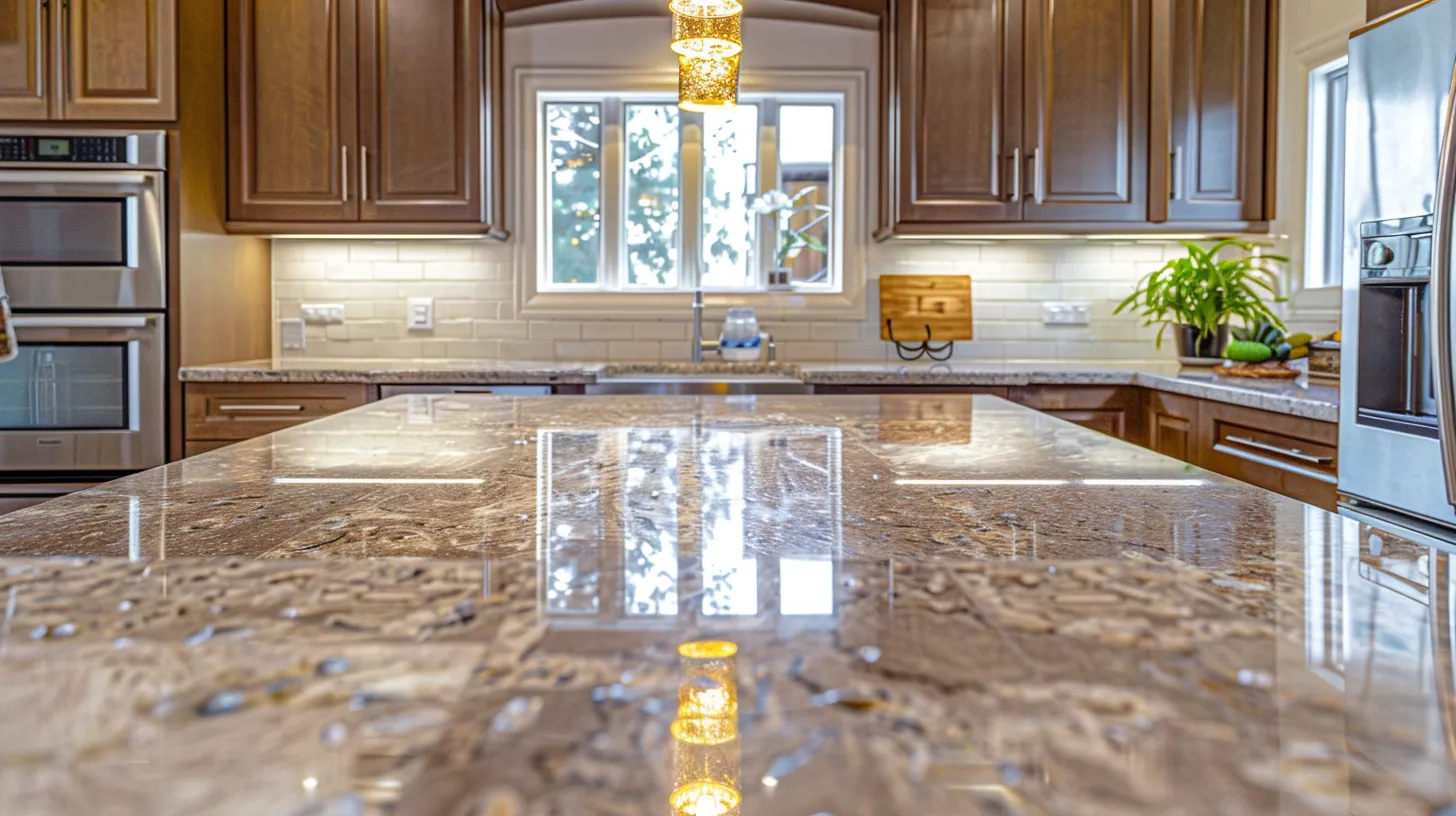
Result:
x=1267 y=341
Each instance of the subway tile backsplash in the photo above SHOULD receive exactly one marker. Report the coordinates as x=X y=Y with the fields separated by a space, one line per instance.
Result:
x=473 y=287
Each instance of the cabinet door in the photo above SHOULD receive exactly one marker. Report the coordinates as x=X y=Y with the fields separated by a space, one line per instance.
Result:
x=420 y=110
x=1087 y=95
x=120 y=60
x=1380 y=8
x=25 y=87
x=1220 y=54
x=1173 y=426
x=292 y=111
x=959 y=86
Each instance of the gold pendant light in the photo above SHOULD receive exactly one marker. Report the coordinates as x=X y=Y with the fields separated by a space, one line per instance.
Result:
x=707 y=36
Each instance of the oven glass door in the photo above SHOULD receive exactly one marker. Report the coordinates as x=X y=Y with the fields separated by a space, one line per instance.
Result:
x=82 y=386
x=85 y=393
x=79 y=239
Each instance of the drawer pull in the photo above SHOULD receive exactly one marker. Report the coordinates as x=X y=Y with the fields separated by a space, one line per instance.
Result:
x=1276 y=464
x=244 y=409
x=1292 y=453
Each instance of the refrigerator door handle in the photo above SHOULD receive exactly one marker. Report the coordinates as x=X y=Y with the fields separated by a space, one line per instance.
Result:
x=1441 y=289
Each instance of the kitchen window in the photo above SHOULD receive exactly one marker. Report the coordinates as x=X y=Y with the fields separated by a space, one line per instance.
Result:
x=637 y=196
x=1325 y=230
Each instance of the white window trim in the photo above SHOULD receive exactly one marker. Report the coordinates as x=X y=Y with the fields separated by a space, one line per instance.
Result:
x=1316 y=239
x=850 y=219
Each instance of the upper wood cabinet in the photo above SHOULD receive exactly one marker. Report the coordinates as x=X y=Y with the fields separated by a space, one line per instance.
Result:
x=1220 y=58
x=1027 y=116
x=88 y=60
x=961 y=139
x=1380 y=8
x=347 y=115
x=1087 y=109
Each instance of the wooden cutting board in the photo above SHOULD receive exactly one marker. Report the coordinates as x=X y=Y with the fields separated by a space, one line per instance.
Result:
x=912 y=302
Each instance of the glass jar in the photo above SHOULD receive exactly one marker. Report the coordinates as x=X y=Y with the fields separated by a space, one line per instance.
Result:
x=740 y=341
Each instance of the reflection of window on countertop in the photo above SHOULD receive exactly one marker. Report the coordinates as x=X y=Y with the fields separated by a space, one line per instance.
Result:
x=767 y=503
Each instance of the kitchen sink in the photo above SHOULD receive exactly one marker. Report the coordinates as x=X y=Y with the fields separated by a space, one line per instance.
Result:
x=694 y=380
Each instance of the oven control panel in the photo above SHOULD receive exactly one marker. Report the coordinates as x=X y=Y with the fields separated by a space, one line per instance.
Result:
x=65 y=149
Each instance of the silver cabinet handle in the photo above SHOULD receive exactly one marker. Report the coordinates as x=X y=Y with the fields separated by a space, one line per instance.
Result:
x=42 y=43
x=364 y=174
x=1016 y=174
x=1293 y=453
x=344 y=172
x=1276 y=464
x=1038 y=180
x=245 y=409
x=80 y=322
x=1441 y=290
x=69 y=80
x=1175 y=179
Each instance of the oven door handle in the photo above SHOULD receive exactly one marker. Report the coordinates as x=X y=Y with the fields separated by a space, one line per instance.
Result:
x=81 y=322
x=77 y=177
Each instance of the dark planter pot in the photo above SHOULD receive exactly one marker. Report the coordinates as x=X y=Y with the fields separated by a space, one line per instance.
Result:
x=1212 y=345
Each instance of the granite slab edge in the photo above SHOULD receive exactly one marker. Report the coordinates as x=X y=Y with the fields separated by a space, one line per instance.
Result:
x=964 y=377
x=584 y=375
x=1248 y=396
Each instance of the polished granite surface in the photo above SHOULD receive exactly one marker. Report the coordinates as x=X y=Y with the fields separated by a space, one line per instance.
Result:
x=936 y=605
x=1302 y=398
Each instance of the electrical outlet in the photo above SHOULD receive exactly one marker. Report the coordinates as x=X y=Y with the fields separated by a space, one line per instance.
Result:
x=421 y=314
x=1066 y=314
x=290 y=334
x=322 y=314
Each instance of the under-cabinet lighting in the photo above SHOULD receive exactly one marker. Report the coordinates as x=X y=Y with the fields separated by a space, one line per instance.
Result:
x=364 y=239
x=322 y=480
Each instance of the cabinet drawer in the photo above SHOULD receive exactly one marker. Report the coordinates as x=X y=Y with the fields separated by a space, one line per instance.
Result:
x=219 y=412
x=1295 y=457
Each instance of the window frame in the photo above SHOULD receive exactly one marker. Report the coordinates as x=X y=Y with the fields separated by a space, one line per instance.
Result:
x=1323 y=267
x=612 y=271
x=845 y=89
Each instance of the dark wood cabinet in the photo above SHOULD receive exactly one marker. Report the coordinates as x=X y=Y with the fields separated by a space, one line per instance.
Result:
x=1034 y=116
x=292 y=111
x=1172 y=424
x=26 y=89
x=420 y=110
x=960 y=115
x=348 y=115
x=120 y=60
x=88 y=60
x=1086 y=101
x=1288 y=455
x=1112 y=410
x=1218 y=100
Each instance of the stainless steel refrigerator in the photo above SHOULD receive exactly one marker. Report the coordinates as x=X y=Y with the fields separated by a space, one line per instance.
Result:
x=1397 y=403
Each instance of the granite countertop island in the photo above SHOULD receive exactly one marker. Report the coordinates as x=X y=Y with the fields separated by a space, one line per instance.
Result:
x=1301 y=398
x=927 y=605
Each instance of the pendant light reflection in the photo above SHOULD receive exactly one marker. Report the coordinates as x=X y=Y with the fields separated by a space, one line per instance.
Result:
x=706 y=763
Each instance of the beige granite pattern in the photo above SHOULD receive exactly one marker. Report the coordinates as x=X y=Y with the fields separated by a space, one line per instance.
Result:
x=1296 y=398
x=940 y=605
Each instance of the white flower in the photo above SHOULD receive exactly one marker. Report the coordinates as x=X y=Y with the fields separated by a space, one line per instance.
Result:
x=771 y=202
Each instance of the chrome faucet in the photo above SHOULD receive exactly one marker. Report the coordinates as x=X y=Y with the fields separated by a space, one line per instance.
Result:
x=700 y=345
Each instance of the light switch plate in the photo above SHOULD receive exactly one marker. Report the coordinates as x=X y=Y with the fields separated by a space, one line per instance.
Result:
x=290 y=334
x=1066 y=314
x=322 y=314
x=421 y=314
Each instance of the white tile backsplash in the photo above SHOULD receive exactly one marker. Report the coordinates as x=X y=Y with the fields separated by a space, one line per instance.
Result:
x=473 y=284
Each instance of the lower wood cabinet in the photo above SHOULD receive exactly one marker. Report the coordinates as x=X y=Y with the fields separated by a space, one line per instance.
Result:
x=1289 y=455
x=219 y=414
x=1172 y=425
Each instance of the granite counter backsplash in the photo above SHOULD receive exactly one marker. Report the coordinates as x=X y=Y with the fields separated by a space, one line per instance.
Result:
x=861 y=606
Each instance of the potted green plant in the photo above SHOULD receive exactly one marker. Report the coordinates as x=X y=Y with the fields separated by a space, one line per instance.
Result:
x=1200 y=293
